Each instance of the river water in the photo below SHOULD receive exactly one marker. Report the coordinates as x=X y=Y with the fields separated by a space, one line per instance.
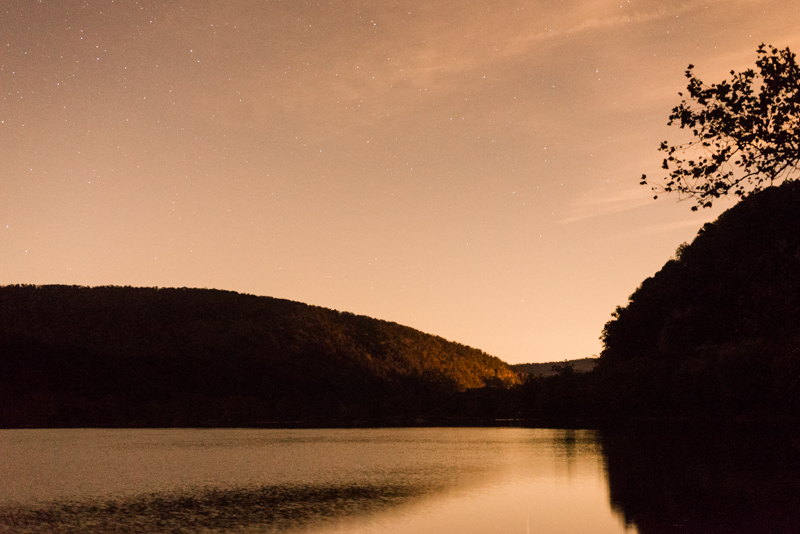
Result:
x=428 y=480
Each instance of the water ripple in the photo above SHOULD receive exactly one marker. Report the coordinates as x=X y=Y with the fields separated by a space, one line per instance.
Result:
x=263 y=509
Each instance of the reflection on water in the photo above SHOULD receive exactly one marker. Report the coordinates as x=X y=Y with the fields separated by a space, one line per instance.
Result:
x=684 y=479
x=314 y=481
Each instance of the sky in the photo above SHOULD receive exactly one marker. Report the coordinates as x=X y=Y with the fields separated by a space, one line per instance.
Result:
x=467 y=168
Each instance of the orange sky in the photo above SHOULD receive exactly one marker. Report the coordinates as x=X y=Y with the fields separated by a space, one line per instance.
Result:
x=467 y=168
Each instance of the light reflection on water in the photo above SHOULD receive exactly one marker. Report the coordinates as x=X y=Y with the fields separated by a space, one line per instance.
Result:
x=314 y=481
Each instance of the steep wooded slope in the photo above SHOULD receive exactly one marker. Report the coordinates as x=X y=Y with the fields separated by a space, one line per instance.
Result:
x=717 y=330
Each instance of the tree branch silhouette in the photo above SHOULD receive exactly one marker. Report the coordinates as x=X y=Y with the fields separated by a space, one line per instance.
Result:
x=745 y=132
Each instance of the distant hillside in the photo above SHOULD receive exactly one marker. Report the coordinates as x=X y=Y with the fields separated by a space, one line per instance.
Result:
x=717 y=330
x=582 y=365
x=122 y=356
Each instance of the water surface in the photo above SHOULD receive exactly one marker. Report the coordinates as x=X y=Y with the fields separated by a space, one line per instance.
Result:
x=466 y=480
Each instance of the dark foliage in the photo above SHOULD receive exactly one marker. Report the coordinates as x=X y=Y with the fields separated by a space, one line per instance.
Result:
x=581 y=365
x=715 y=332
x=745 y=132
x=564 y=397
x=122 y=356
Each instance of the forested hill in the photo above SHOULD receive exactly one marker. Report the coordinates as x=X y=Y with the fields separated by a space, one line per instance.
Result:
x=123 y=356
x=717 y=330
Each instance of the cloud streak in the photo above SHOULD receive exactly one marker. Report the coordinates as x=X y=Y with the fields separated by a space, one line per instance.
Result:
x=599 y=204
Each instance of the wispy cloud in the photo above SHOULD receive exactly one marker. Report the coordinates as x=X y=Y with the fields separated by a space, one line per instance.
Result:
x=599 y=203
x=583 y=21
x=661 y=228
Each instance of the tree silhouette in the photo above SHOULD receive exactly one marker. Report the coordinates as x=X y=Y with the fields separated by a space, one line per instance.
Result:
x=745 y=132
